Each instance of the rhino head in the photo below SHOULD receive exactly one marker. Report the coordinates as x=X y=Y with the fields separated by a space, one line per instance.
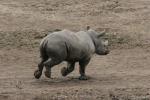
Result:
x=101 y=45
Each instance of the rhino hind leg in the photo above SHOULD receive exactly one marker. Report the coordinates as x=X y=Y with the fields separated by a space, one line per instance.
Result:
x=49 y=64
x=83 y=64
x=38 y=72
x=66 y=70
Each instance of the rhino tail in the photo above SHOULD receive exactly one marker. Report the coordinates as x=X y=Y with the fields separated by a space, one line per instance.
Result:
x=43 y=53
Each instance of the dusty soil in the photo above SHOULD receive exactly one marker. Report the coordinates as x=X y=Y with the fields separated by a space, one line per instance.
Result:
x=121 y=75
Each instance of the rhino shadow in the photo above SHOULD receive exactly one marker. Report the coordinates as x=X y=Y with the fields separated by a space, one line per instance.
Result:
x=67 y=81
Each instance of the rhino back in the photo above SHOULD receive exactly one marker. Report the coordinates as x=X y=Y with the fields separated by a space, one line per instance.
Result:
x=68 y=45
x=83 y=47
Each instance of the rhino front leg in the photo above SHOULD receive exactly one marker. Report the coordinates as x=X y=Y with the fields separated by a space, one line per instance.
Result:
x=49 y=64
x=83 y=64
x=70 y=67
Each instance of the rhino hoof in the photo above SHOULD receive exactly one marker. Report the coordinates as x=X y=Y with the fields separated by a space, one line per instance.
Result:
x=47 y=74
x=64 y=71
x=37 y=74
x=83 y=78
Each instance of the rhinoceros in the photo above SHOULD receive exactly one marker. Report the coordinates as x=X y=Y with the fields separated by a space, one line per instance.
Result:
x=71 y=47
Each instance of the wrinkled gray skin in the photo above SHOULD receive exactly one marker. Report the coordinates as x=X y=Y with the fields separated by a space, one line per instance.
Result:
x=71 y=47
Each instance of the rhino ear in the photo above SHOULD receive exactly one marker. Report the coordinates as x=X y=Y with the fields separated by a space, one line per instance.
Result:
x=88 y=28
x=102 y=34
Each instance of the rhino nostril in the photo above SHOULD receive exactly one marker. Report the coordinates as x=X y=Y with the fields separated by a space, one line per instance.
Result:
x=107 y=52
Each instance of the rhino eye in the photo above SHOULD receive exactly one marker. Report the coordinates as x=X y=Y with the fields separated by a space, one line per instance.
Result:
x=106 y=42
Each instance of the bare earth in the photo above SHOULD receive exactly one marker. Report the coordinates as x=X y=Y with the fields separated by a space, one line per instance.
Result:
x=124 y=74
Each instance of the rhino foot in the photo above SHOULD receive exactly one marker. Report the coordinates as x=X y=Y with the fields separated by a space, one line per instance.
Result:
x=47 y=74
x=37 y=74
x=83 y=78
x=64 y=71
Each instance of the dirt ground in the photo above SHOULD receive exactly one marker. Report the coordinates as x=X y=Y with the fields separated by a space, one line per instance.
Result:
x=124 y=74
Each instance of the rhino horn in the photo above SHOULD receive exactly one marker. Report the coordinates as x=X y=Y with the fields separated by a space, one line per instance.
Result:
x=102 y=33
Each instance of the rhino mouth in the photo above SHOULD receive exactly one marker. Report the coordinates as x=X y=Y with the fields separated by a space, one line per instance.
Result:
x=107 y=52
x=104 y=52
